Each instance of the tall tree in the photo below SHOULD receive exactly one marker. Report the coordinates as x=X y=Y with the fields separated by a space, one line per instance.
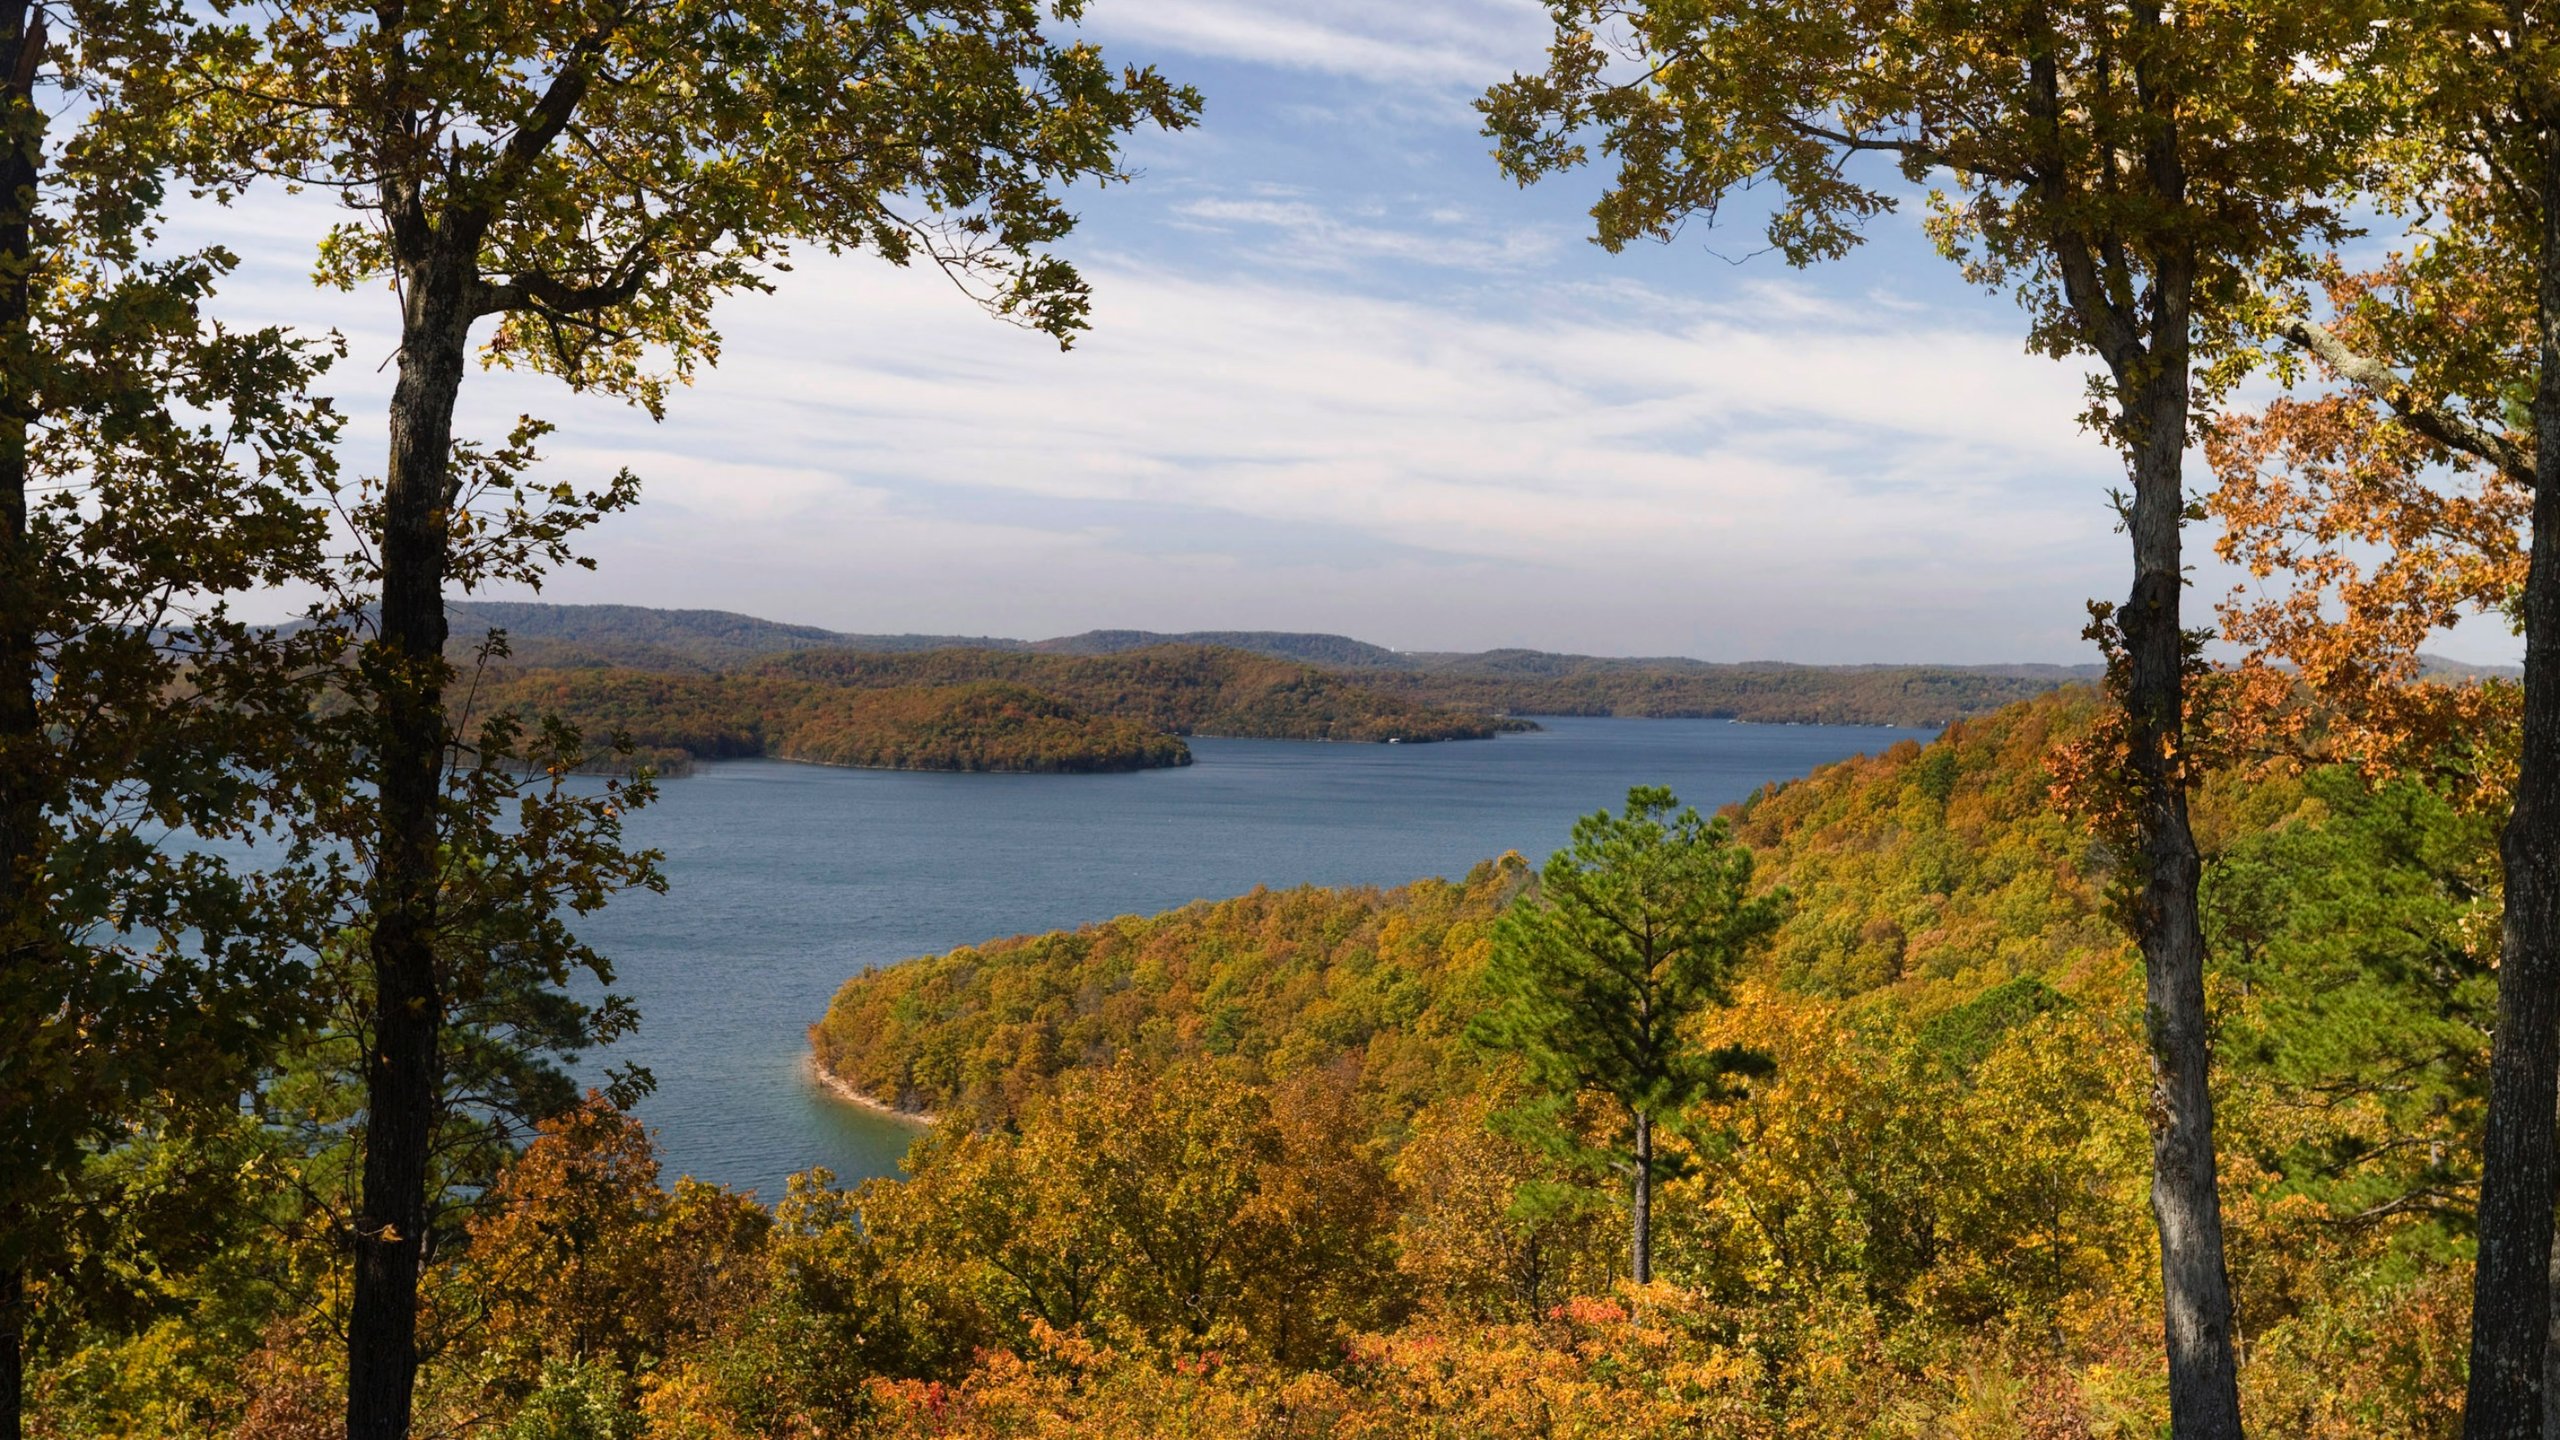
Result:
x=524 y=860
x=1637 y=925
x=152 y=463
x=2443 y=424
x=2132 y=173
x=593 y=176
x=2366 y=1000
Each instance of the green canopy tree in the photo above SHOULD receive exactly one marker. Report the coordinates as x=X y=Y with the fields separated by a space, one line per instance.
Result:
x=592 y=177
x=2134 y=174
x=538 y=857
x=2442 y=377
x=153 y=463
x=1637 y=925
x=2366 y=998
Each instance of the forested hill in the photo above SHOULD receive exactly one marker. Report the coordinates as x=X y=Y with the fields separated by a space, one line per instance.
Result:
x=968 y=709
x=1339 y=652
x=1181 y=689
x=643 y=638
x=1529 y=682
x=1513 y=682
x=1935 y=1194
x=674 y=720
x=1922 y=877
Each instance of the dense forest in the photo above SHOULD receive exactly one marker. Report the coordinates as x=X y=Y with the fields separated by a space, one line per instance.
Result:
x=1928 y=1220
x=962 y=709
x=669 y=721
x=1248 y=1168
x=639 y=637
x=1180 y=689
x=1530 y=683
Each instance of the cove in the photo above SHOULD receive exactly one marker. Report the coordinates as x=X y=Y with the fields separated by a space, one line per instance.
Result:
x=784 y=880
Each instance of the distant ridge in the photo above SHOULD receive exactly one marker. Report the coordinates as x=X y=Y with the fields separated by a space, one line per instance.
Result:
x=678 y=640
x=1490 y=685
x=1550 y=664
x=1337 y=651
x=2441 y=667
x=719 y=638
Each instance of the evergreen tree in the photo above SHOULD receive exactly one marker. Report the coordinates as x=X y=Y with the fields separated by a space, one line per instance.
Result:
x=2353 y=933
x=1637 y=926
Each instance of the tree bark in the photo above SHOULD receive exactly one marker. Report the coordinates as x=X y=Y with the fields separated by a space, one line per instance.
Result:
x=1642 y=1249
x=2551 y=1354
x=13 y=1354
x=405 y=668
x=2511 y=1286
x=2186 y=1203
x=23 y=930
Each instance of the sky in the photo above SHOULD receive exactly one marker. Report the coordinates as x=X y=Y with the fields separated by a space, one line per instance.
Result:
x=1343 y=377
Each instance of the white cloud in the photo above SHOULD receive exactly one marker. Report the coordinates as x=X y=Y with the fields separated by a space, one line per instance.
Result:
x=1591 y=470
x=1309 y=236
x=1469 y=43
x=1525 y=451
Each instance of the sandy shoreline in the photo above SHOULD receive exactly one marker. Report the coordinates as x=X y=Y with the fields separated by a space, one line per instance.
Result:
x=836 y=1085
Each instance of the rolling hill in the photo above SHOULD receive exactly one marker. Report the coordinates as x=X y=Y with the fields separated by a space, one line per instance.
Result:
x=1488 y=683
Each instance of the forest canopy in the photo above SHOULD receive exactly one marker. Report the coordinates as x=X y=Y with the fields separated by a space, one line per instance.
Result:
x=966 y=709
x=1936 y=1197
x=1242 y=1164
x=1490 y=683
x=670 y=721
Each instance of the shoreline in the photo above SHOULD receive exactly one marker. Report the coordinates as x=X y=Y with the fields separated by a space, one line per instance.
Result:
x=844 y=1090
x=955 y=770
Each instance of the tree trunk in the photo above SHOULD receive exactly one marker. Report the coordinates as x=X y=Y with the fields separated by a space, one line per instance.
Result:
x=2186 y=1203
x=23 y=930
x=2551 y=1354
x=1642 y=1256
x=13 y=1353
x=405 y=669
x=2511 y=1283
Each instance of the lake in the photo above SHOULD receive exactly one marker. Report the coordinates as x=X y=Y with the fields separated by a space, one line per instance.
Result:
x=784 y=880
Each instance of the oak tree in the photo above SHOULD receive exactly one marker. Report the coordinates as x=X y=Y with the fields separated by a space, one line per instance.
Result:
x=592 y=177
x=2400 y=490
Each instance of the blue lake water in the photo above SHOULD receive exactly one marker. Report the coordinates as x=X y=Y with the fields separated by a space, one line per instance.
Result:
x=784 y=880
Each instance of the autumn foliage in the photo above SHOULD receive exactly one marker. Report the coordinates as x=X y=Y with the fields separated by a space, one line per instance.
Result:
x=965 y=709
x=1239 y=1169
x=2365 y=539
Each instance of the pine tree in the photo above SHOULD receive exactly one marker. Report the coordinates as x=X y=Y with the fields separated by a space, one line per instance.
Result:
x=1638 y=925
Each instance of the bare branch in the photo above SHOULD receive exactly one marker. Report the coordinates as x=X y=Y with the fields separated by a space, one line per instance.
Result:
x=1914 y=150
x=2427 y=417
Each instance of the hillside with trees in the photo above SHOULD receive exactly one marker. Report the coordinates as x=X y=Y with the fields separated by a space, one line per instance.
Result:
x=1373 y=983
x=1940 y=1173
x=670 y=721
x=961 y=709
x=1491 y=683
x=1272 y=1161
x=982 y=725
x=544 y=635
x=1179 y=689
x=1923 y=872
x=1525 y=682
